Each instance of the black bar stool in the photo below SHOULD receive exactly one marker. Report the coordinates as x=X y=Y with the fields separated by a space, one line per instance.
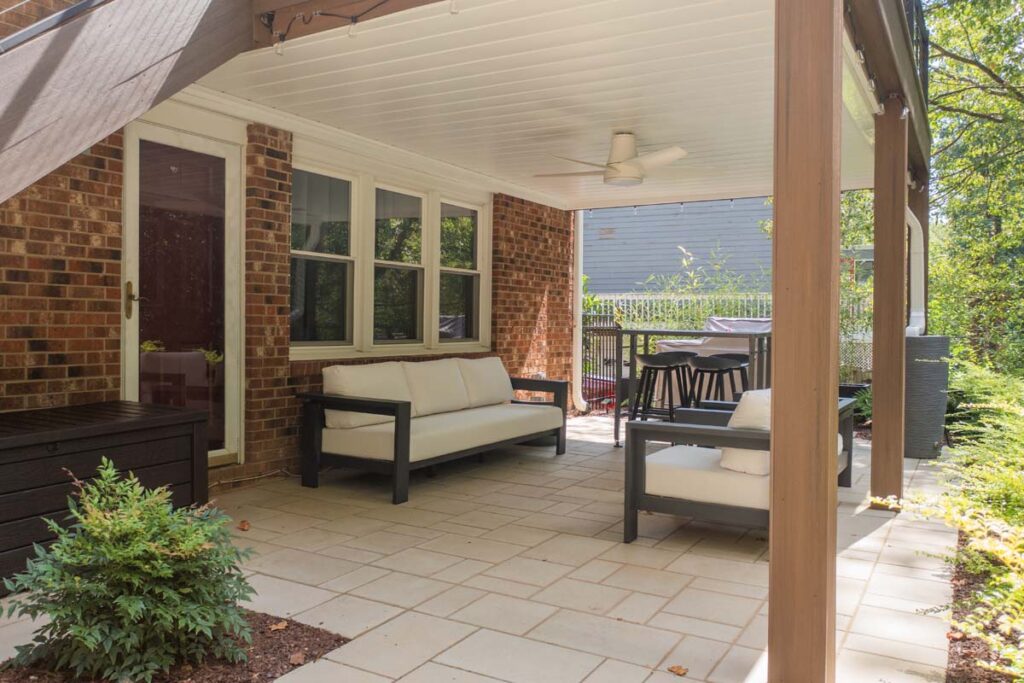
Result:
x=663 y=366
x=712 y=371
x=744 y=360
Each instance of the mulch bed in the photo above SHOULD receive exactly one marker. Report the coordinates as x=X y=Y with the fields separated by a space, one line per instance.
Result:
x=965 y=652
x=273 y=653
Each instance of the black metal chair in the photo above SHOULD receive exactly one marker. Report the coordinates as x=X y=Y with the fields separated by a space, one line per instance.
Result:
x=743 y=369
x=708 y=375
x=665 y=366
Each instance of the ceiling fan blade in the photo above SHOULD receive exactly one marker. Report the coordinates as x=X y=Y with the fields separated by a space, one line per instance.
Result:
x=577 y=161
x=578 y=174
x=663 y=157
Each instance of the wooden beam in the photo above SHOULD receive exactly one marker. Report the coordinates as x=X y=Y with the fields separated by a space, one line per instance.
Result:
x=85 y=79
x=296 y=19
x=805 y=356
x=880 y=27
x=890 y=299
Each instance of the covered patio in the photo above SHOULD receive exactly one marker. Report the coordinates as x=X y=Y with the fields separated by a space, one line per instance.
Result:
x=514 y=570
x=471 y=112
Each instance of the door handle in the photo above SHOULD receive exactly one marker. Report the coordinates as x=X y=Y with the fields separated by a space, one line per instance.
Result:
x=129 y=298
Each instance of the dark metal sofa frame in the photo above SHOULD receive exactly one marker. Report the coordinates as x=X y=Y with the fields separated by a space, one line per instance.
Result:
x=399 y=467
x=706 y=426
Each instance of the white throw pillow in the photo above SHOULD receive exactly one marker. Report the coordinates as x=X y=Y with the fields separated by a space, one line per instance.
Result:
x=376 y=380
x=756 y=462
x=436 y=386
x=746 y=461
x=487 y=382
x=754 y=411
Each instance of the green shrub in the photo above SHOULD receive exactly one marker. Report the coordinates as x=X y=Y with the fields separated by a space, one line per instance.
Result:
x=134 y=586
x=862 y=402
x=983 y=498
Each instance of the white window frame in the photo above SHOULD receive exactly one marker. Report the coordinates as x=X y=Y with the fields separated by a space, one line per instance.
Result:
x=421 y=267
x=352 y=257
x=364 y=262
x=477 y=272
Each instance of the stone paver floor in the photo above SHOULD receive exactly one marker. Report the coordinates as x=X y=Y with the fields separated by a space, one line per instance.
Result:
x=513 y=570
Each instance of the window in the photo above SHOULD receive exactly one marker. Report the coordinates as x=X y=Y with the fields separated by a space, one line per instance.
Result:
x=321 y=265
x=382 y=270
x=398 y=268
x=459 y=278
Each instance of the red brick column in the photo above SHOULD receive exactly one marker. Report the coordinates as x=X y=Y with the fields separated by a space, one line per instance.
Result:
x=532 y=289
x=60 y=284
x=269 y=423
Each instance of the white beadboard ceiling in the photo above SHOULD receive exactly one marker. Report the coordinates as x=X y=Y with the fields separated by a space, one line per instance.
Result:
x=504 y=84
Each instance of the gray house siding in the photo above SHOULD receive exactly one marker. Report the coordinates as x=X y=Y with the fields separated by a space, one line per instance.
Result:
x=622 y=247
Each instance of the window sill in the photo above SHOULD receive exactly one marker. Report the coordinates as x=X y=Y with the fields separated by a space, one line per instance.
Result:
x=300 y=353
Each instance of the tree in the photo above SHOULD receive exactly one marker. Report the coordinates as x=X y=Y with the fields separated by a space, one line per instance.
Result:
x=977 y=104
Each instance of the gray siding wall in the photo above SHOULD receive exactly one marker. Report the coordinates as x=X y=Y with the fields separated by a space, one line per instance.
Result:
x=622 y=248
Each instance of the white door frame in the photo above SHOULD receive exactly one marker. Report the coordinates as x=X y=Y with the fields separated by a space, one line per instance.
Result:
x=234 y=343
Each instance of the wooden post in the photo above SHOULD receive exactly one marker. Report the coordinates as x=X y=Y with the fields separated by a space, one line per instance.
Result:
x=890 y=324
x=805 y=344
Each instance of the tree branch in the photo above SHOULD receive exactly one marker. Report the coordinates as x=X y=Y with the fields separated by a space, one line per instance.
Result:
x=988 y=116
x=1011 y=89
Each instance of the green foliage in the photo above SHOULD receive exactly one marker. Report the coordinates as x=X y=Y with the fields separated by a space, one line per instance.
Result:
x=133 y=586
x=977 y=114
x=984 y=499
x=863 y=401
x=152 y=346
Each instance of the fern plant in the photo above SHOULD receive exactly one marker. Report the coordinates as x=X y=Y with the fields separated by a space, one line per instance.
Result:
x=133 y=586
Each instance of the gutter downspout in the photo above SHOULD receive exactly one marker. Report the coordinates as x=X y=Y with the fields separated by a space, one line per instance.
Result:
x=577 y=323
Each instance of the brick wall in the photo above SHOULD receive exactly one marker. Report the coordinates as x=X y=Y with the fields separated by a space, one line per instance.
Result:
x=18 y=16
x=60 y=284
x=532 y=310
x=269 y=425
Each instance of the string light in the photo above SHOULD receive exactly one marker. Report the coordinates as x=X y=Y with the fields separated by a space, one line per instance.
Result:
x=636 y=211
x=681 y=207
x=453 y=7
x=353 y=27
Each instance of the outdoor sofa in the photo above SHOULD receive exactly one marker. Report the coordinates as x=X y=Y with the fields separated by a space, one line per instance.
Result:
x=394 y=417
x=688 y=478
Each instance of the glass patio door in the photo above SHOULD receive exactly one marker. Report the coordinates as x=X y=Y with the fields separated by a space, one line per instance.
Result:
x=180 y=342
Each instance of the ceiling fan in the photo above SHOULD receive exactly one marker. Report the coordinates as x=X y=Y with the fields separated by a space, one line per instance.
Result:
x=624 y=167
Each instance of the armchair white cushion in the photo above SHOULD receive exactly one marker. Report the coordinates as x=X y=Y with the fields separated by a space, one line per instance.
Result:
x=487 y=382
x=379 y=380
x=436 y=387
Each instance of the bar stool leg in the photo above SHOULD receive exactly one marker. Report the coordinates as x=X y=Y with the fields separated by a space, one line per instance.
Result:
x=698 y=395
x=648 y=400
x=732 y=383
x=719 y=386
x=744 y=378
x=671 y=399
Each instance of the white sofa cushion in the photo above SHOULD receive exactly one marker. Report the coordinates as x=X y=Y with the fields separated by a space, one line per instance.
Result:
x=436 y=386
x=376 y=380
x=694 y=473
x=445 y=433
x=487 y=382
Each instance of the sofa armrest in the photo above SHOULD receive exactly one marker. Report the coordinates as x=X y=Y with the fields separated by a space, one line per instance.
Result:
x=558 y=388
x=356 y=404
